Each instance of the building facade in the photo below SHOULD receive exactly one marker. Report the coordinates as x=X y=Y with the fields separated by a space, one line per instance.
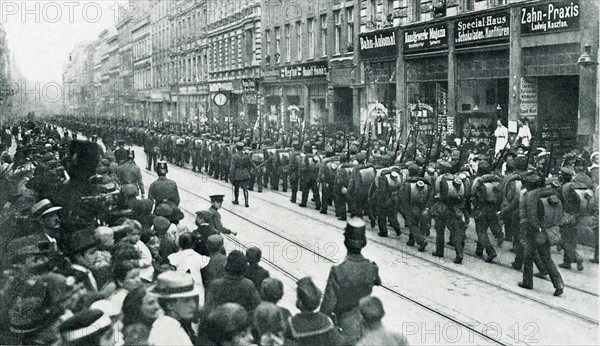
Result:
x=78 y=80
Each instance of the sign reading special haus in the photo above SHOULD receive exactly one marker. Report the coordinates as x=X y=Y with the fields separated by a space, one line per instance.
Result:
x=490 y=28
x=550 y=17
x=378 y=44
x=425 y=38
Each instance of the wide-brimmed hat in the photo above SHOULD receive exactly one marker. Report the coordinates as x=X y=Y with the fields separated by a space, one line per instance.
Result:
x=84 y=324
x=173 y=285
x=43 y=207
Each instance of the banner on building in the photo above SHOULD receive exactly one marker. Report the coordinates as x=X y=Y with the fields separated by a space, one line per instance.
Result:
x=493 y=28
x=554 y=16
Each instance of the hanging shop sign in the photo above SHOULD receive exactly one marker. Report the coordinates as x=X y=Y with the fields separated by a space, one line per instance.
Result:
x=555 y=16
x=220 y=86
x=425 y=38
x=484 y=29
x=378 y=44
x=317 y=69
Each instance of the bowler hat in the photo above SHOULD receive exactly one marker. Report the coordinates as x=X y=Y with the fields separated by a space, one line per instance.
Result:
x=172 y=284
x=308 y=293
x=30 y=314
x=354 y=233
x=42 y=208
x=236 y=263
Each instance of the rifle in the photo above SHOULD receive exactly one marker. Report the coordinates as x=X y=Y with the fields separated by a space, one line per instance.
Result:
x=398 y=142
x=428 y=157
x=368 y=145
x=501 y=158
x=406 y=147
x=416 y=141
x=549 y=162
x=362 y=140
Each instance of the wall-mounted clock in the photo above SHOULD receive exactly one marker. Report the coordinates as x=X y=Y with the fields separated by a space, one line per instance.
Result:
x=220 y=99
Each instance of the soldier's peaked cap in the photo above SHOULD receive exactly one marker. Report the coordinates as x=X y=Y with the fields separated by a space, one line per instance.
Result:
x=216 y=198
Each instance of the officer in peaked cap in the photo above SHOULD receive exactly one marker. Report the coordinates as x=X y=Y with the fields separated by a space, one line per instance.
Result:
x=214 y=220
x=359 y=275
x=163 y=190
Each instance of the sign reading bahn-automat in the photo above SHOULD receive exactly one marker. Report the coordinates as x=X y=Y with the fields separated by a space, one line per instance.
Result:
x=490 y=28
x=561 y=15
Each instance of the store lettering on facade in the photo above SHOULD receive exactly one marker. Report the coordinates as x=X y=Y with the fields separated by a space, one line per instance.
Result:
x=378 y=44
x=425 y=38
x=309 y=70
x=550 y=17
x=486 y=29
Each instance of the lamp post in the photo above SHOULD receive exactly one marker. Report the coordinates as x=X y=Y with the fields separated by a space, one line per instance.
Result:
x=588 y=64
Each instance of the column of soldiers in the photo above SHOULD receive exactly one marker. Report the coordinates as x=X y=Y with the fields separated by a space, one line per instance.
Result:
x=441 y=185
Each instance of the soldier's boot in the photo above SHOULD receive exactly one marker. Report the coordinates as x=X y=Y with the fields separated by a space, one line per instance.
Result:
x=411 y=240
x=439 y=240
x=383 y=232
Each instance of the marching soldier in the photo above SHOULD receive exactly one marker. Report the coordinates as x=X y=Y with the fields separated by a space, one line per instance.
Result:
x=129 y=174
x=536 y=228
x=258 y=169
x=449 y=211
x=151 y=148
x=240 y=173
x=327 y=174
x=294 y=170
x=386 y=187
x=486 y=204
x=350 y=281
x=309 y=172
x=283 y=158
x=415 y=198
x=275 y=167
x=163 y=190
x=197 y=147
x=340 y=189
x=225 y=161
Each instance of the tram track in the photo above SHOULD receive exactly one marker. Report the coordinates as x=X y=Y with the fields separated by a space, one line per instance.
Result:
x=292 y=276
x=382 y=243
x=576 y=315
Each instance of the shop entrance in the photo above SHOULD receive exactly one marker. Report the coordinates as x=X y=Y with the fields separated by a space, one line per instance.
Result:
x=342 y=111
x=558 y=104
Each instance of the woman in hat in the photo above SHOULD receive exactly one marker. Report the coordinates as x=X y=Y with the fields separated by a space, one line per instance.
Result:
x=178 y=297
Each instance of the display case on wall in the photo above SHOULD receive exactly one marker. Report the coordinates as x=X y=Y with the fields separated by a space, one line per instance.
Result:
x=562 y=135
x=478 y=128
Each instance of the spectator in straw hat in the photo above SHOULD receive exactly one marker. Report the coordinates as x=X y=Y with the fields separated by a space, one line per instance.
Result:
x=47 y=215
x=178 y=297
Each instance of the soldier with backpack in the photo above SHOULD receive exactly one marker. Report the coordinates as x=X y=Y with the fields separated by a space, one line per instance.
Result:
x=387 y=184
x=486 y=204
x=327 y=173
x=577 y=199
x=541 y=213
x=415 y=198
x=449 y=211
x=309 y=172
